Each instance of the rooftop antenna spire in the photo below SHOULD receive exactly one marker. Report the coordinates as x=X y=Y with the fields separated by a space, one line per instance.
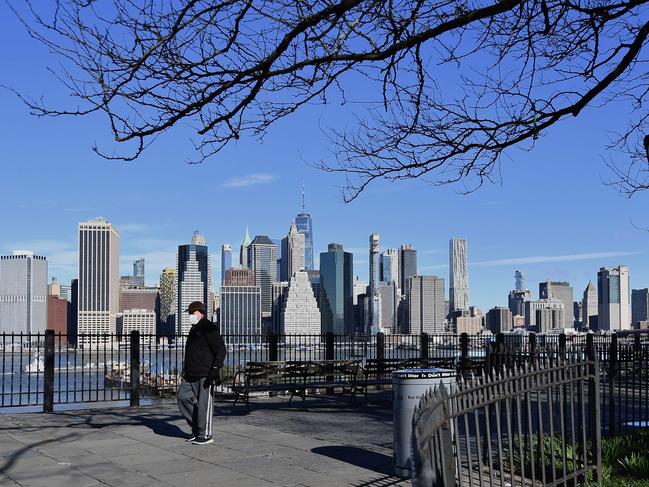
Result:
x=303 y=196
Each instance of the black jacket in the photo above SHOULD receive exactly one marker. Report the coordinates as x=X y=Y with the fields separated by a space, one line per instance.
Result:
x=204 y=350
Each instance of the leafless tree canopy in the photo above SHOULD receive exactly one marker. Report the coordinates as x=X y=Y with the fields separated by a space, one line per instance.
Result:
x=456 y=82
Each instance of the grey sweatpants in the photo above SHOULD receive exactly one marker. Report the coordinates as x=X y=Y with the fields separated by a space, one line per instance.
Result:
x=195 y=404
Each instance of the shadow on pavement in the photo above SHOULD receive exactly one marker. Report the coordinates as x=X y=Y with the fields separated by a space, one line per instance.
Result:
x=359 y=457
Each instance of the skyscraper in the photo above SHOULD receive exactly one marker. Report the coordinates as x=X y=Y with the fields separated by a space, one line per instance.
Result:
x=390 y=266
x=425 y=297
x=300 y=314
x=243 y=250
x=499 y=319
x=458 y=275
x=138 y=271
x=374 y=256
x=98 y=279
x=374 y=261
x=387 y=292
x=168 y=284
x=613 y=298
x=226 y=260
x=23 y=293
x=589 y=306
x=194 y=283
x=304 y=225
x=240 y=312
x=292 y=253
x=262 y=258
x=562 y=291
x=552 y=314
x=407 y=265
x=639 y=306
x=336 y=290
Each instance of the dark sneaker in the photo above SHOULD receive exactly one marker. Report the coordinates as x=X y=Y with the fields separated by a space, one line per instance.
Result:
x=202 y=440
x=191 y=438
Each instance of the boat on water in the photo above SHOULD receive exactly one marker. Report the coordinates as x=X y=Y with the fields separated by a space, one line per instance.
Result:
x=119 y=377
x=36 y=366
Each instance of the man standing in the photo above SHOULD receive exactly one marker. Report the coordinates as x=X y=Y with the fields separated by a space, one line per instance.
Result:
x=204 y=355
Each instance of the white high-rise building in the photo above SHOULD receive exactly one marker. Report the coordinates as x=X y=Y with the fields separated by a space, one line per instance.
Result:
x=300 y=315
x=458 y=275
x=142 y=320
x=613 y=299
x=295 y=251
x=98 y=280
x=23 y=293
x=194 y=274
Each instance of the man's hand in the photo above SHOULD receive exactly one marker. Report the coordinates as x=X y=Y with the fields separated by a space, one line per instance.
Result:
x=213 y=378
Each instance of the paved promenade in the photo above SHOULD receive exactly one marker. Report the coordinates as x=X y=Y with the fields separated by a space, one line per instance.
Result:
x=330 y=443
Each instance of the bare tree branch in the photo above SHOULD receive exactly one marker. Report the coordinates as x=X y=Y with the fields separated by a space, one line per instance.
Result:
x=452 y=85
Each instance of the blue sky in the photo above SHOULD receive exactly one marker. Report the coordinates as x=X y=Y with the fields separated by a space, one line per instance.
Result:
x=552 y=216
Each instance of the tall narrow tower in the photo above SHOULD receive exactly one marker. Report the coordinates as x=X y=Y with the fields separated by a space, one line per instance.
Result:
x=458 y=275
x=305 y=226
x=243 y=251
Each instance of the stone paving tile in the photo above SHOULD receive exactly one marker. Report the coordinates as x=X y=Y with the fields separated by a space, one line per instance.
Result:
x=53 y=476
x=329 y=444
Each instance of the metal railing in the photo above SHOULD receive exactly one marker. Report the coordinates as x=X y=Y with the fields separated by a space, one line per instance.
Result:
x=44 y=369
x=535 y=424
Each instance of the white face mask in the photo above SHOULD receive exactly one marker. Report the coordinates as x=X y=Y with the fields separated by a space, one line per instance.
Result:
x=193 y=320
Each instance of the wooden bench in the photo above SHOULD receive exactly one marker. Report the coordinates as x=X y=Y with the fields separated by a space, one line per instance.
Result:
x=378 y=372
x=295 y=377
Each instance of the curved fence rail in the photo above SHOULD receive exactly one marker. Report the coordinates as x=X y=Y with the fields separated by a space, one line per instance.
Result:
x=528 y=425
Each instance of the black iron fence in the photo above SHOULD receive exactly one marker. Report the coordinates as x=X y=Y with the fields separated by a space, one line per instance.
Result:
x=534 y=424
x=43 y=369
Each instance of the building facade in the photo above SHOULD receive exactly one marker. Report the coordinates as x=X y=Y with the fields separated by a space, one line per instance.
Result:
x=458 y=275
x=243 y=250
x=240 y=313
x=613 y=299
x=168 y=285
x=142 y=320
x=239 y=276
x=99 y=288
x=336 y=291
x=407 y=265
x=262 y=256
x=226 y=260
x=589 y=307
x=292 y=253
x=300 y=314
x=304 y=225
x=194 y=277
x=499 y=319
x=23 y=293
x=556 y=309
x=562 y=291
x=639 y=306
x=425 y=296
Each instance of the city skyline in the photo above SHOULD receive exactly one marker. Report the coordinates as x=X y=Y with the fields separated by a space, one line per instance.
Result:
x=559 y=182
x=591 y=262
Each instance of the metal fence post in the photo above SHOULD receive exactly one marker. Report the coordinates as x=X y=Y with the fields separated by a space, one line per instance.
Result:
x=595 y=433
x=135 y=368
x=48 y=373
x=562 y=346
x=273 y=346
x=423 y=357
x=612 y=375
x=464 y=352
x=380 y=347
x=329 y=346
x=533 y=347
